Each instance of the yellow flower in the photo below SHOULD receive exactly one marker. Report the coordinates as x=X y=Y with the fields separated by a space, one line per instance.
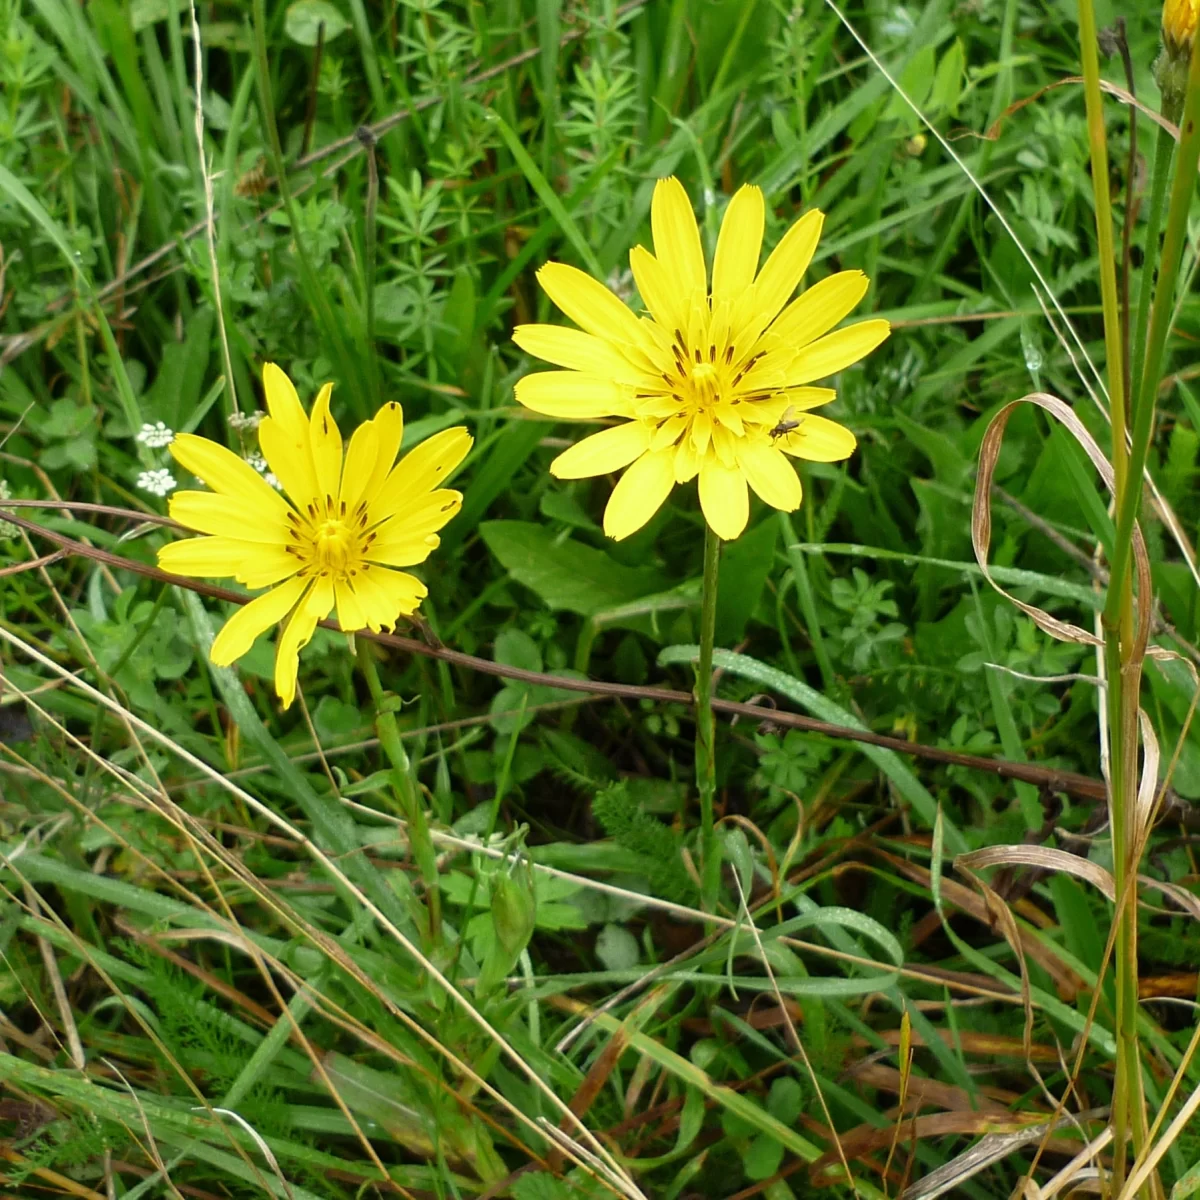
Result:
x=1179 y=23
x=712 y=383
x=348 y=523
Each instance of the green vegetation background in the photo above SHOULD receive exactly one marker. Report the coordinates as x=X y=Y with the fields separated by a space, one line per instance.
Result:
x=146 y=960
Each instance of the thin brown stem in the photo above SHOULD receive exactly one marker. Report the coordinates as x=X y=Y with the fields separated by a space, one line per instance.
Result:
x=1070 y=782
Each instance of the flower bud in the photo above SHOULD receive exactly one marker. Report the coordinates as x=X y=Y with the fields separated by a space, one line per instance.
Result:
x=514 y=915
x=514 y=910
x=1179 y=24
x=1179 y=18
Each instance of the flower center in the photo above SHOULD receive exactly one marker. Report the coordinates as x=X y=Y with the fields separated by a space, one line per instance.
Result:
x=706 y=385
x=327 y=540
x=333 y=546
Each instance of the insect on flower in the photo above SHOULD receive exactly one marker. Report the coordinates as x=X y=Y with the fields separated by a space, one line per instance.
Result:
x=788 y=423
x=344 y=522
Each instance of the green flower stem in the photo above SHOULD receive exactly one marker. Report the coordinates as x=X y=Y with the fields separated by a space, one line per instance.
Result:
x=1146 y=388
x=370 y=237
x=1164 y=149
x=1123 y=674
x=706 y=751
x=1106 y=250
x=405 y=789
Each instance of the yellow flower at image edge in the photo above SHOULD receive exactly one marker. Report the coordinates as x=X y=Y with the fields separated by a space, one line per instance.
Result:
x=715 y=381
x=1179 y=19
x=345 y=523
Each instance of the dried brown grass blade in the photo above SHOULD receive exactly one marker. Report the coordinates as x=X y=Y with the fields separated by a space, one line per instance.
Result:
x=981 y=521
x=1042 y=858
x=992 y=1149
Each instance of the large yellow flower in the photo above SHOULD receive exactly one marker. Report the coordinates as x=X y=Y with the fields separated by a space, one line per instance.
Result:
x=713 y=384
x=1179 y=19
x=348 y=523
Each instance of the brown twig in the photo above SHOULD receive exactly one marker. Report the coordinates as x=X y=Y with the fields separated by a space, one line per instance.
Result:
x=33 y=564
x=1074 y=784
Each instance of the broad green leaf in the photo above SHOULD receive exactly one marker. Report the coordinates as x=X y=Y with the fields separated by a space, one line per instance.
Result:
x=305 y=18
x=565 y=573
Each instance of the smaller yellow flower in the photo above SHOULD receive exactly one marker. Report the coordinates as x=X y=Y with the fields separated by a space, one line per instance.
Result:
x=1179 y=19
x=346 y=521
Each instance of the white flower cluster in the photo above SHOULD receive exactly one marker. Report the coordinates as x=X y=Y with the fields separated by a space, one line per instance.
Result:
x=7 y=528
x=159 y=482
x=155 y=436
x=248 y=420
x=260 y=465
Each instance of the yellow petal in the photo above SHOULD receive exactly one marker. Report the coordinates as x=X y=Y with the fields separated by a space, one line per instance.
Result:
x=208 y=557
x=225 y=472
x=783 y=270
x=290 y=460
x=576 y=351
x=238 y=633
x=609 y=450
x=267 y=567
x=589 y=304
x=818 y=310
x=724 y=498
x=723 y=445
x=314 y=607
x=403 y=550
x=659 y=290
x=677 y=238
x=836 y=351
x=326 y=440
x=669 y=432
x=229 y=516
x=388 y=431
x=738 y=245
x=433 y=462
x=819 y=440
x=574 y=395
x=729 y=416
x=386 y=596
x=639 y=494
x=349 y=610
x=769 y=373
x=790 y=402
x=418 y=472
x=361 y=457
x=687 y=461
x=802 y=399
x=771 y=476
x=284 y=405
x=427 y=513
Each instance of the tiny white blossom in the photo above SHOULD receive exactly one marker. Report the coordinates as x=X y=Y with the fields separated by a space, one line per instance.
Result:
x=260 y=465
x=248 y=420
x=7 y=528
x=156 y=436
x=159 y=482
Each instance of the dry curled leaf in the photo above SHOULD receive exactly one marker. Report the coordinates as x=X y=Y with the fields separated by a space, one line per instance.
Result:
x=981 y=521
